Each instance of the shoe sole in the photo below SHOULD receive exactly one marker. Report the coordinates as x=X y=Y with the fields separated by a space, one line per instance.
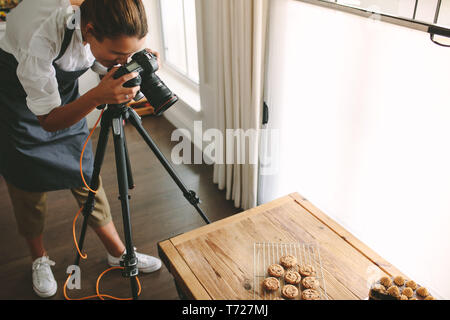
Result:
x=150 y=270
x=145 y=270
x=45 y=294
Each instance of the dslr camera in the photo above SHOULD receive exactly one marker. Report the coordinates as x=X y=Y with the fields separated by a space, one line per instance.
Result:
x=157 y=93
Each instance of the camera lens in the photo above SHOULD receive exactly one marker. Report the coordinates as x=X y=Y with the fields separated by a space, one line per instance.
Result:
x=158 y=94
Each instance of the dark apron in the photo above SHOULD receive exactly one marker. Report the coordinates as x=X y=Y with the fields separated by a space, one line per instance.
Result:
x=31 y=158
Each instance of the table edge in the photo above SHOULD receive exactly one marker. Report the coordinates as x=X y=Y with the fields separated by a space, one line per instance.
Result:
x=176 y=265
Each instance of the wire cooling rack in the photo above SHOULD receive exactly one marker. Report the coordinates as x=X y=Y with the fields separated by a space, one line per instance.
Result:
x=265 y=254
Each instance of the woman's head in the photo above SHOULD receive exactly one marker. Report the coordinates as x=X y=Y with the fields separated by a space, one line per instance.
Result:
x=115 y=29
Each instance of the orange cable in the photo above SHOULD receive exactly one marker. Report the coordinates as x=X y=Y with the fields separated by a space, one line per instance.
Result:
x=97 y=286
x=102 y=296
x=98 y=295
x=84 y=181
x=83 y=256
x=84 y=148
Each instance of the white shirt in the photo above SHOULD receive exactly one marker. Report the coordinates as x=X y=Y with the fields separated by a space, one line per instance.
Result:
x=34 y=36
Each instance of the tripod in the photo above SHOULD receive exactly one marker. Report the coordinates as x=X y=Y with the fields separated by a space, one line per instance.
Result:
x=113 y=118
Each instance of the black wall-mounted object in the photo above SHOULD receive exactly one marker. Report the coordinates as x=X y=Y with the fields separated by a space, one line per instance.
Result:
x=265 y=115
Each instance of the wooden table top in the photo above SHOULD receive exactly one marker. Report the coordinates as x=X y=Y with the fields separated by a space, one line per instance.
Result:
x=217 y=261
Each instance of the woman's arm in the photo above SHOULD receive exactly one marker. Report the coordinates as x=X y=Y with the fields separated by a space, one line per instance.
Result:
x=109 y=91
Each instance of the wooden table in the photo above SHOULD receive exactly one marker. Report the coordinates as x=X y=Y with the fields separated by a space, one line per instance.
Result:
x=217 y=261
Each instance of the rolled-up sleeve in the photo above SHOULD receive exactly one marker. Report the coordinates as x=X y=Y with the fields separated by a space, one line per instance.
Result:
x=38 y=78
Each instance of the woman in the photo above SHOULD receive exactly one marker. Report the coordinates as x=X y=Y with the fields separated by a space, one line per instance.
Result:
x=47 y=46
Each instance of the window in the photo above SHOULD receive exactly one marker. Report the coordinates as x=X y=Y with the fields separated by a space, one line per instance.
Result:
x=431 y=11
x=432 y=16
x=179 y=30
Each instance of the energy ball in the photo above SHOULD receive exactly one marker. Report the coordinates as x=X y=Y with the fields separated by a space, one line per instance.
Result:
x=411 y=284
x=288 y=261
x=386 y=281
x=289 y=291
x=307 y=270
x=275 y=270
x=408 y=292
x=399 y=280
x=271 y=284
x=394 y=291
x=422 y=291
x=292 y=277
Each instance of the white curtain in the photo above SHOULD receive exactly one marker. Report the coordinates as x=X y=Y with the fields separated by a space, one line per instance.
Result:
x=240 y=34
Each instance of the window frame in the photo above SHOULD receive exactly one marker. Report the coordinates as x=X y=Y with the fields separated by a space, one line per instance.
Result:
x=432 y=29
x=181 y=75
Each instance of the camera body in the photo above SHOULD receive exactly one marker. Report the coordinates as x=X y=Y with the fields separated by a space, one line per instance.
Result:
x=157 y=93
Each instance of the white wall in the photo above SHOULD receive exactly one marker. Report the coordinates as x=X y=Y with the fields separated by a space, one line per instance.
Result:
x=364 y=113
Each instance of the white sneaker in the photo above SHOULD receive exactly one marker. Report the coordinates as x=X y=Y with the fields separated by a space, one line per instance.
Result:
x=146 y=263
x=44 y=283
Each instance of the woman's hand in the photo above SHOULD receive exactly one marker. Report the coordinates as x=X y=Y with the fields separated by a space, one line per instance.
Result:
x=109 y=91
x=112 y=91
x=156 y=54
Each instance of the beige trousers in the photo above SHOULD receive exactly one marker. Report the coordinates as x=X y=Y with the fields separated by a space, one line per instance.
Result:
x=30 y=209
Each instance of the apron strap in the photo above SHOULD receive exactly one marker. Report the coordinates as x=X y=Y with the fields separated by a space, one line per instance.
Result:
x=66 y=41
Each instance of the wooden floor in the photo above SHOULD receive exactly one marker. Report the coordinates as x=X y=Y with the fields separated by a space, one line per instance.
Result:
x=158 y=211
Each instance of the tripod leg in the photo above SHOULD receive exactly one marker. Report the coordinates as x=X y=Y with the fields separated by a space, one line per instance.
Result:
x=188 y=194
x=127 y=158
x=130 y=260
x=98 y=161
